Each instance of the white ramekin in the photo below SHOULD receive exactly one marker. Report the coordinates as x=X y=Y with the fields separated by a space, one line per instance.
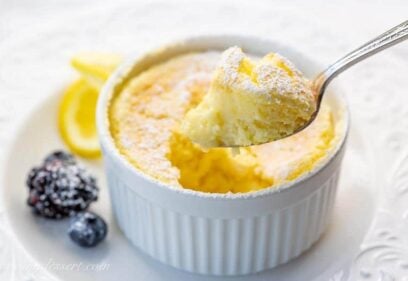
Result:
x=219 y=234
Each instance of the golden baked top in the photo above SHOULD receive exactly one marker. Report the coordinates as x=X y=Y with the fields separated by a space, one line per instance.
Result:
x=145 y=120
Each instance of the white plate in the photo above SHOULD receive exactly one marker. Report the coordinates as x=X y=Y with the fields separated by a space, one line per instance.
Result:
x=49 y=246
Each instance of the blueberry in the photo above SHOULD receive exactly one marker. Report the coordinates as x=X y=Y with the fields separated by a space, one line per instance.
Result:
x=87 y=229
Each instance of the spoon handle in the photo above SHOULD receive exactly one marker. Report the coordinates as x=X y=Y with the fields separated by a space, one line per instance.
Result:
x=393 y=36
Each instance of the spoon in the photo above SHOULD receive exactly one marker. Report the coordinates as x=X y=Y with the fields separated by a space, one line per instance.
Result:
x=391 y=37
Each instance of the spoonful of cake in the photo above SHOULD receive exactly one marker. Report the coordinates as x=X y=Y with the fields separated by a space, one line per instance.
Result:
x=254 y=102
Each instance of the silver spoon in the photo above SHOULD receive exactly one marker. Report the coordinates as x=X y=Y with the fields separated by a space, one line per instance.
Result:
x=393 y=36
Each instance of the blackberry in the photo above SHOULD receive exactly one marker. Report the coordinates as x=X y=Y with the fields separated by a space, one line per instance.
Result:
x=60 y=187
x=62 y=156
x=87 y=229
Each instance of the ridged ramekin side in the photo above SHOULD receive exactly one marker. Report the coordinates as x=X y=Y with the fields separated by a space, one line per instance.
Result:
x=219 y=246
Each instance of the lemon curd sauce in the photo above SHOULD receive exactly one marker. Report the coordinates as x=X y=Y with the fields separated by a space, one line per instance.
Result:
x=145 y=120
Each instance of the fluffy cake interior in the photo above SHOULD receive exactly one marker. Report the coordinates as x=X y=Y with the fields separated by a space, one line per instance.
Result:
x=250 y=102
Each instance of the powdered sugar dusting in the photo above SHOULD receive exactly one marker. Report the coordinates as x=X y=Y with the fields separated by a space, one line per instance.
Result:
x=150 y=107
x=229 y=64
x=274 y=74
x=153 y=104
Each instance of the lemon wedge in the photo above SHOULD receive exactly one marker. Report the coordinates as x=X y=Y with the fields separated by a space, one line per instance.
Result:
x=76 y=119
x=95 y=68
x=76 y=115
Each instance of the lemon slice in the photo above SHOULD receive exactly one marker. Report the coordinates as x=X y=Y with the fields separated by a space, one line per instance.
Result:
x=95 y=68
x=76 y=115
x=76 y=119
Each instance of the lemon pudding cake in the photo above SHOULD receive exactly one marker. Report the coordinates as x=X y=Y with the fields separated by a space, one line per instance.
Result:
x=146 y=120
x=250 y=102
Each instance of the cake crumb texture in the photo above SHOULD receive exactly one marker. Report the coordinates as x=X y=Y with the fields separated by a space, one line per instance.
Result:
x=250 y=102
